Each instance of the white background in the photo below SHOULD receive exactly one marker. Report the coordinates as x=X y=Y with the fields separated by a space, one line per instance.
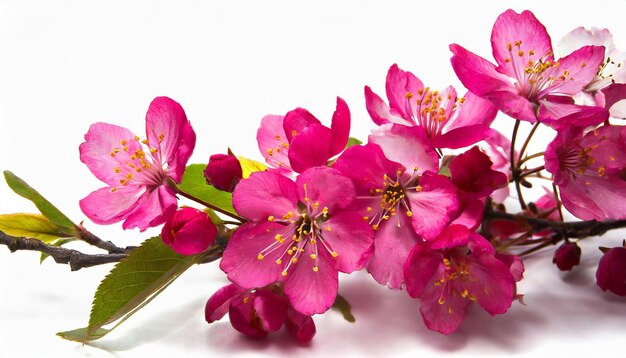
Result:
x=66 y=64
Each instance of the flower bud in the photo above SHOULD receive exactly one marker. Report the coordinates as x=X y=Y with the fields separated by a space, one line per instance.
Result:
x=189 y=231
x=567 y=256
x=223 y=172
x=611 y=273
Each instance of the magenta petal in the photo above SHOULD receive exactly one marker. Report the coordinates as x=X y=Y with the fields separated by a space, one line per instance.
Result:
x=380 y=111
x=189 y=231
x=471 y=214
x=561 y=115
x=170 y=133
x=611 y=273
x=515 y=265
x=366 y=166
x=408 y=146
x=433 y=206
x=598 y=198
x=351 y=238
x=581 y=67
x=442 y=312
x=296 y=120
x=301 y=327
x=103 y=151
x=471 y=172
x=340 y=127
x=152 y=209
x=242 y=317
x=393 y=242
x=398 y=84
x=615 y=94
x=105 y=206
x=217 y=305
x=325 y=186
x=273 y=142
x=265 y=194
x=473 y=111
x=462 y=137
x=494 y=287
x=271 y=310
x=310 y=148
x=241 y=258
x=310 y=291
x=511 y=27
x=420 y=268
x=451 y=237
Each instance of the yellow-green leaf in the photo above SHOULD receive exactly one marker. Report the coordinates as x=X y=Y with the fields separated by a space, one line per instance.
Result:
x=131 y=284
x=30 y=225
x=249 y=166
x=47 y=209
x=342 y=305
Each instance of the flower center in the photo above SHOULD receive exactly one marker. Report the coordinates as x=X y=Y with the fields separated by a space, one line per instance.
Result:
x=455 y=276
x=431 y=110
x=134 y=166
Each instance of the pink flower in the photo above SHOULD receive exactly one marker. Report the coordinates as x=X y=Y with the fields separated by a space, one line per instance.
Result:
x=189 y=231
x=611 y=273
x=567 y=256
x=257 y=312
x=457 y=268
x=589 y=170
x=223 y=172
x=402 y=207
x=298 y=141
x=447 y=120
x=137 y=188
x=498 y=149
x=528 y=83
x=472 y=173
x=299 y=234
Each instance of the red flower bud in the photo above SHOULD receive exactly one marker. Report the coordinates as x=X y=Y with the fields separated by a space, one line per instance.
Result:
x=189 y=231
x=567 y=256
x=223 y=172
x=611 y=273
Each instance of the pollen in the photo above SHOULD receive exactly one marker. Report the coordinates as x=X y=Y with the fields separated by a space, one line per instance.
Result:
x=279 y=261
x=333 y=254
x=246 y=299
x=418 y=188
x=123 y=181
x=294 y=133
x=260 y=256
x=117 y=169
x=145 y=141
x=366 y=218
x=408 y=95
x=153 y=150
x=315 y=269
x=409 y=213
x=279 y=238
x=113 y=190
x=294 y=260
x=270 y=151
x=450 y=310
x=313 y=256
x=270 y=218
x=161 y=137
x=129 y=176
x=284 y=273
x=441 y=300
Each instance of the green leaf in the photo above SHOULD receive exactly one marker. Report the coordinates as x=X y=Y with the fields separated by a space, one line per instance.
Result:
x=47 y=209
x=81 y=334
x=30 y=225
x=195 y=184
x=131 y=284
x=59 y=242
x=343 y=306
x=352 y=141
x=249 y=166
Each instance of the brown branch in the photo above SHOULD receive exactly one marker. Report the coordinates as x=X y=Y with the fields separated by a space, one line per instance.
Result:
x=75 y=259
x=93 y=240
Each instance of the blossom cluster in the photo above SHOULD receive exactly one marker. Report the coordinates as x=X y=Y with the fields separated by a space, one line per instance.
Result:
x=408 y=205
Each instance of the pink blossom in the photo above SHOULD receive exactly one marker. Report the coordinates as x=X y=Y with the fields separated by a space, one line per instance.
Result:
x=528 y=83
x=299 y=234
x=498 y=149
x=611 y=273
x=298 y=140
x=589 y=171
x=457 y=268
x=189 y=231
x=257 y=312
x=472 y=173
x=223 y=172
x=446 y=120
x=402 y=206
x=137 y=188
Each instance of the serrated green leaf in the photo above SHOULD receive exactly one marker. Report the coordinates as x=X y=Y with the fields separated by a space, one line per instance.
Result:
x=195 y=184
x=59 y=242
x=249 y=166
x=352 y=141
x=343 y=306
x=47 y=209
x=133 y=283
x=30 y=225
x=82 y=335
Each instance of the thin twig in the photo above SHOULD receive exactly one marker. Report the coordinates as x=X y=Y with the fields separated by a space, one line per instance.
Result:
x=514 y=169
x=75 y=259
x=92 y=239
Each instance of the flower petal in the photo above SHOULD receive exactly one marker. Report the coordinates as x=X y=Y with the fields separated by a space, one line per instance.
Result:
x=153 y=209
x=366 y=165
x=296 y=120
x=217 y=305
x=473 y=111
x=309 y=291
x=265 y=194
x=494 y=287
x=273 y=142
x=351 y=238
x=393 y=241
x=105 y=206
x=421 y=268
x=400 y=83
x=340 y=127
x=407 y=146
x=325 y=186
x=380 y=111
x=241 y=257
x=442 y=312
x=271 y=309
x=575 y=71
x=310 y=147
x=301 y=327
x=170 y=133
